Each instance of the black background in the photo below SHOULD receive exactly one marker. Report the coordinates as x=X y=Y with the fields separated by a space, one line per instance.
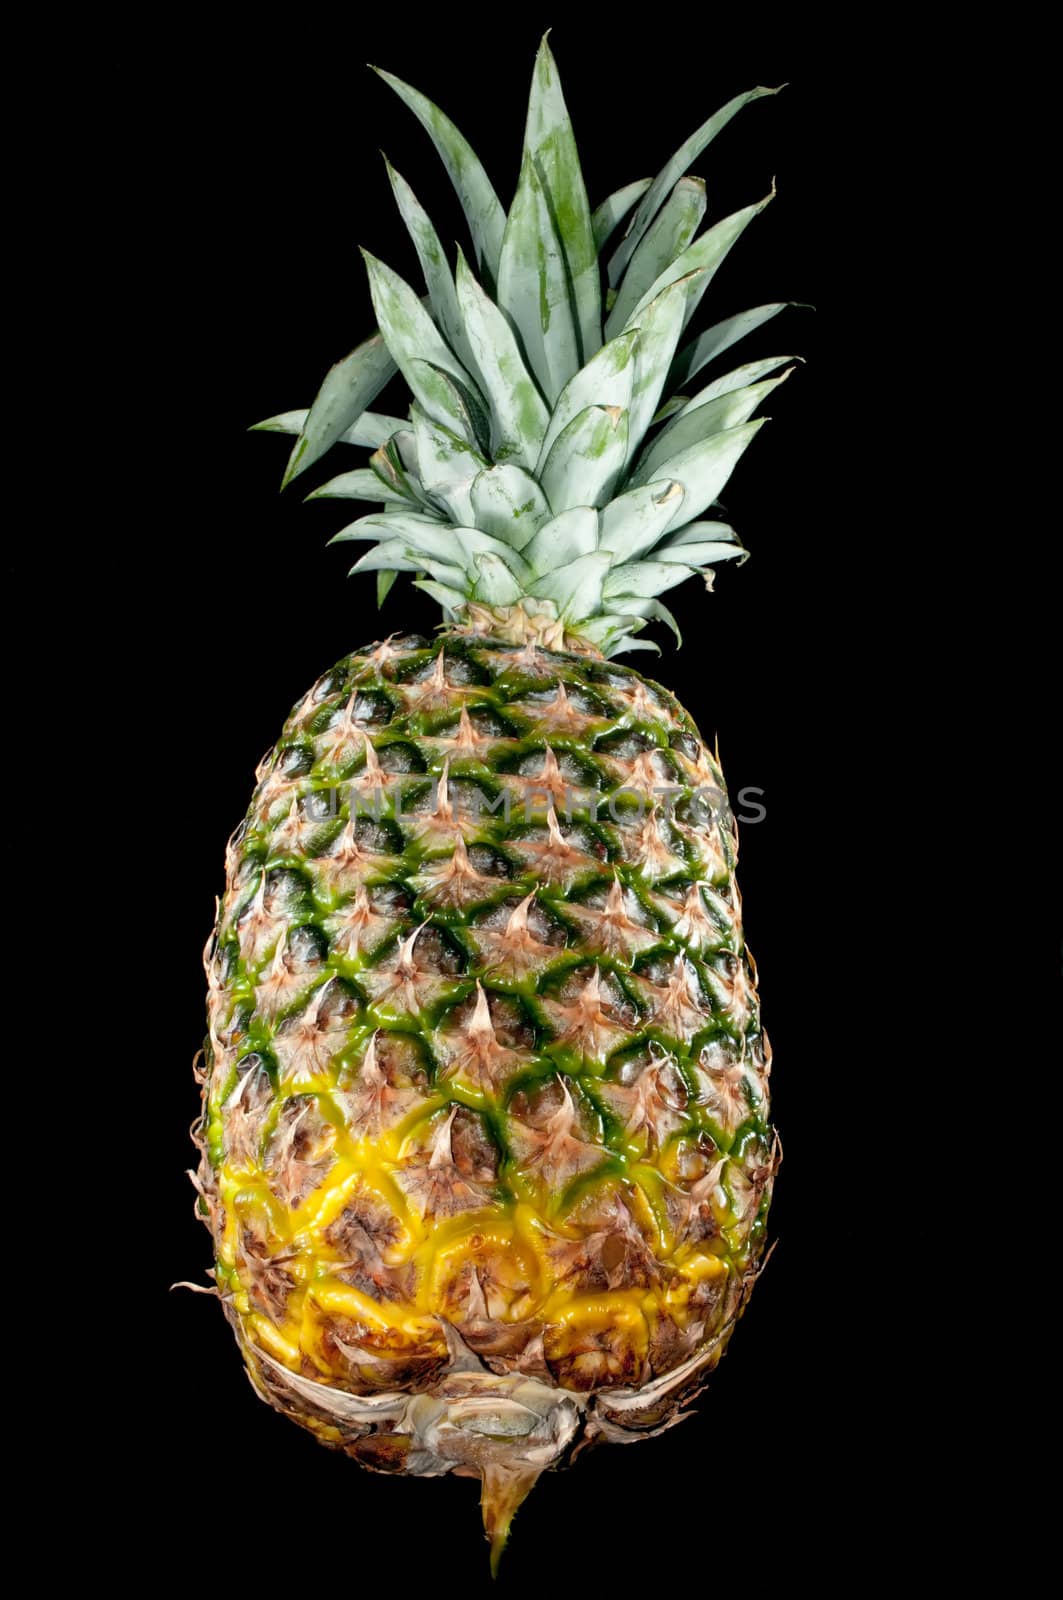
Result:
x=224 y=188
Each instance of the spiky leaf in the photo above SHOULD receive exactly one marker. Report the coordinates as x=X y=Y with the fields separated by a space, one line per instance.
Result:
x=614 y=208
x=665 y=240
x=439 y=280
x=704 y=468
x=349 y=387
x=704 y=255
x=660 y=324
x=495 y=584
x=447 y=465
x=635 y=521
x=606 y=380
x=563 y=539
x=720 y=337
x=672 y=170
x=728 y=410
x=586 y=460
x=550 y=145
x=482 y=207
x=413 y=339
x=509 y=503
x=518 y=415
x=361 y=484
x=643 y=579
x=576 y=590
x=533 y=286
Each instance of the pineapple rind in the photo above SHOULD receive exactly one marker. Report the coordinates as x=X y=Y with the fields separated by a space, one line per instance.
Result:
x=485 y=1101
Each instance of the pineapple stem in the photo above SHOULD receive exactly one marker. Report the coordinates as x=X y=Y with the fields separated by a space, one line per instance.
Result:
x=504 y=1490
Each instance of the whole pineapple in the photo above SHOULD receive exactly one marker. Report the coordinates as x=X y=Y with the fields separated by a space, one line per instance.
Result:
x=485 y=1142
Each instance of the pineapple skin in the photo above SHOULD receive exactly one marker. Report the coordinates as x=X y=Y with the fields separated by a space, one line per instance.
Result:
x=485 y=1142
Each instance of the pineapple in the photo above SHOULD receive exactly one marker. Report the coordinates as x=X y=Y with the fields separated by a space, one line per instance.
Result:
x=485 y=1149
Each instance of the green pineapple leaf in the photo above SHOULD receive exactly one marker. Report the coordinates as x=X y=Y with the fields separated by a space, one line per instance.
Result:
x=606 y=380
x=450 y=599
x=587 y=459
x=415 y=343
x=371 y=428
x=482 y=207
x=637 y=520
x=348 y=389
x=667 y=238
x=576 y=590
x=439 y=280
x=533 y=287
x=672 y=171
x=361 y=484
x=509 y=503
x=563 y=540
x=495 y=584
x=550 y=146
x=643 y=579
x=518 y=415
x=705 y=254
x=704 y=468
x=447 y=464
x=695 y=546
x=728 y=410
x=614 y=208
x=720 y=337
x=660 y=325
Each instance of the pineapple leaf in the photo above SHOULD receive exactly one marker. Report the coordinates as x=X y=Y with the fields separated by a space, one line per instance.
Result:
x=533 y=287
x=283 y=422
x=704 y=468
x=439 y=280
x=636 y=521
x=422 y=539
x=394 y=556
x=361 y=484
x=650 y=610
x=495 y=583
x=720 y=337
x=348 y=388
x=737 y=378
x=482 y=207
x=705 y=254
x=394 y=525
x=508 y=502
x=384 y=580
x=605 y=381
x=576 y=590
x=447 y=464
x=671 y=172
x=643 y=579
x=701 y=552
x=450 y=599
x=660 y=324
x=413 y=339
x=395 y=473
x=550 y=145
x=443 y=400
x=727 y=410
x=587 y=459
x=563 y=540
x=518 y=415
x=696 y=533
x=667 y=238
x=614 y=208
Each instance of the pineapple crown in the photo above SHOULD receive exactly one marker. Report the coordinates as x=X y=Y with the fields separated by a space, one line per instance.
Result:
x=551 y=479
